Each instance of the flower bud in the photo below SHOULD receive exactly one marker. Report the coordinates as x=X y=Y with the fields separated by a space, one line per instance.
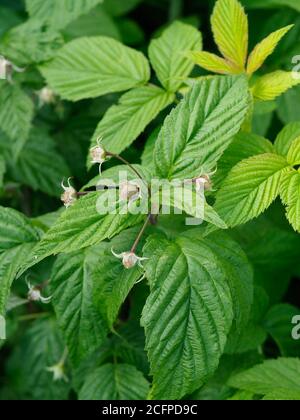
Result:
x=69 y=196
x=129 y=191
x=203 y=183
x=46 y=96
x=7 y=68
x=129 y=259
x=34 y=295
x=58 y=371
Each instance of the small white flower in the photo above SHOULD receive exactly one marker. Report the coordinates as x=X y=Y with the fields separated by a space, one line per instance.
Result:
x=98 y=154
x=204 y=182
x=34 y=294
x=58 y=371
x=129 y=191
x=7 y=68
x=69 y=196
x=46 y=96
x=129 y=259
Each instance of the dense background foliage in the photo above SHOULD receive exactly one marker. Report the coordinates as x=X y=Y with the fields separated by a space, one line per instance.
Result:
x=44 y=140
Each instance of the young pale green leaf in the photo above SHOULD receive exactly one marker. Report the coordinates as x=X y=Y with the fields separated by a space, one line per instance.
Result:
x=286 y=137
x=91 y=220
x=59 y=13
x=290 y=195
x=281 y=376
x=250 y=188
x=196 y=133
x=272 y=85
x=230 y=29
x=39 y=164
x=16 y=112
x=278 y=324
x=265 y=48
x=95 y=66
x=214 y=63
x=243 y=146
x=40 y=347
x=169 y=54
x=188 y=314
x=293 y=156
x=114 y=382
x=123 y=123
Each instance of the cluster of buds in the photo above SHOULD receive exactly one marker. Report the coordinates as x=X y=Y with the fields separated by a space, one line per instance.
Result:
x=46 y=96
x=7 y=68
x=98 y=154
x=69 y=196
x=130 y=191
x=34 y=294
x=129 y=259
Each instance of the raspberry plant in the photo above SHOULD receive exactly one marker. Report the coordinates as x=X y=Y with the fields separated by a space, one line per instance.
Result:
x=130 y=305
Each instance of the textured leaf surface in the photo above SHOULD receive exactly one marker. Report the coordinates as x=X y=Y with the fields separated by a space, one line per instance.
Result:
x=169 y=54
x=250 y=188
x=201 y=127
x=39 y=348
x=58 y=13
x=187 y=315
x=230 y=29
x=272 y=85
x=286 y=137
x=290 y=194
x=243 y=146
x=16 y=111
x=265 y=48
x=95 y=66
x=123 y=123
x=39 y=164
x=279 y=376
x=214 y=63
x=114 y=382
x=82 y=225
x=293 y=156
x=2 y=170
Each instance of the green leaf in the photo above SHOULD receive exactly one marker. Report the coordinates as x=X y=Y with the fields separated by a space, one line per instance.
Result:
x=293 y=156
x=39 y=348
x=196 y=133
x=16 y=112
x=278 y=323
x=17 y=239
x=2 y=170
x=230 y=28
x=265 y=48
x=95 y=66
x=114 y=382
x=120 y=7
x=96 y=22
x=290 y=195
x=39 y=164
x=82 y=225
x=59 y=13
x=288 y=110
x=281 y=376
x=286 y=137
x=250 y=188
x=30 y=43
x=272 y=85
x=243 y=146
x=123 y=123
x=188 y=314
x=169 y=54
x=72 y=288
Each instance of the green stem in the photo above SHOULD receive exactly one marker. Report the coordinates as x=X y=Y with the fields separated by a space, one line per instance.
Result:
x=139 y=237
